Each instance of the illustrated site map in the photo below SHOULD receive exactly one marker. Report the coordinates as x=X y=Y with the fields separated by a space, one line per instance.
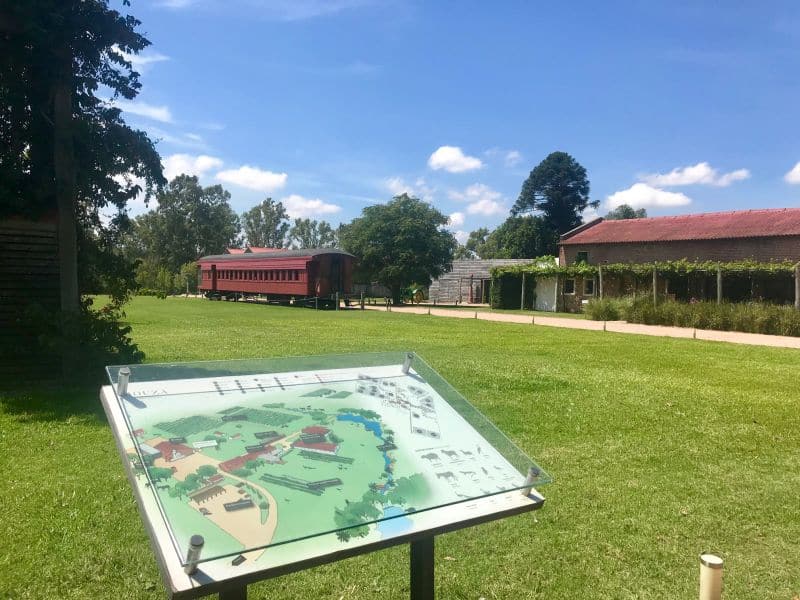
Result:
x=258 y=460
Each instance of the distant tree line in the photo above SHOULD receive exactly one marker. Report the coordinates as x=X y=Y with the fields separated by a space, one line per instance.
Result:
x=190 y=221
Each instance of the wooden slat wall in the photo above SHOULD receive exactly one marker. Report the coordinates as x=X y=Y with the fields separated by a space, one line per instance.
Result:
x=28 y=274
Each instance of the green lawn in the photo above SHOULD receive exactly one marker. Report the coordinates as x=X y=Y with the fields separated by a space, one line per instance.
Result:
x=661 y=449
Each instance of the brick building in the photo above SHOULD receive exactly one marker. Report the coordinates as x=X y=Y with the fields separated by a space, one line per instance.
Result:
x=760 y=235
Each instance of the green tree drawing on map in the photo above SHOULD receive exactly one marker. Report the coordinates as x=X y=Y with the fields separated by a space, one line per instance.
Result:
x=158 y=473
x=205 y=471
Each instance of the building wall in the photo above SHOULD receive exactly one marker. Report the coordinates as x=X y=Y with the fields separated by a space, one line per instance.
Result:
x=455 y=285
x=759 y=249
x=29 y=275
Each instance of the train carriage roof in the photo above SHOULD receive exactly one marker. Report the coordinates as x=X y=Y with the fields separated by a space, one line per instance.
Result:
x=273 y=254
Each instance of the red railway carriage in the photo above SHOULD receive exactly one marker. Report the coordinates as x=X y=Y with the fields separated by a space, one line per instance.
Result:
x=309 y=273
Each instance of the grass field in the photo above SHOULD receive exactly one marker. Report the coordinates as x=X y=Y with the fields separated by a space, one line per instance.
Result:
x=661 y=449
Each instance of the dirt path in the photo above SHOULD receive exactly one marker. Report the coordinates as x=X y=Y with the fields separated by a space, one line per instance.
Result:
x=734 y=337
x=250 y=534
x=266 y=530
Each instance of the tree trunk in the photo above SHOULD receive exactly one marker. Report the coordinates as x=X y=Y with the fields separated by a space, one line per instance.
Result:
x=64 y=171
x=397 y=295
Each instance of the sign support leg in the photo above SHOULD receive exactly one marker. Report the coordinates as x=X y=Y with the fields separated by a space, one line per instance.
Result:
x=422 y=569
x=237 y=593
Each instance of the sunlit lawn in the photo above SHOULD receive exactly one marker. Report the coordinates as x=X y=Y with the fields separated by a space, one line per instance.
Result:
x=661 y=449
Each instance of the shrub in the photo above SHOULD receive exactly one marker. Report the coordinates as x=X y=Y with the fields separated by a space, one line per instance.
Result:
x=751 y=317
x=606 y=309
x=87 y=340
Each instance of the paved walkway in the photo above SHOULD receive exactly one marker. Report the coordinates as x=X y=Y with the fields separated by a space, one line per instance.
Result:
x=735 y=337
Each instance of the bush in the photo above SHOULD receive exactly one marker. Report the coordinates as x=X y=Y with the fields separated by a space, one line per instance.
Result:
x=606 y=309
x=87 y=340
x=750 y=317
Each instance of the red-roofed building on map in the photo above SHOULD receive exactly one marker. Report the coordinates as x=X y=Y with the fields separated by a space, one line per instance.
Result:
x=322 y=447
x=172 y=452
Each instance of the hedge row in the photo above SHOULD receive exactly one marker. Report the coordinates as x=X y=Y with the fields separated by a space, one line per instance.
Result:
x=748 y=317
x=506 y=291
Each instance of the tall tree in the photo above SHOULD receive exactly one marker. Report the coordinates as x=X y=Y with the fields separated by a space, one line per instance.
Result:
x=558 y=189
x=625 y=211
x=519 y=237
x=307 y=233
x=400 y=243
x=190 y=221
x=64 y=147
x=476 y=240
x=266 y=225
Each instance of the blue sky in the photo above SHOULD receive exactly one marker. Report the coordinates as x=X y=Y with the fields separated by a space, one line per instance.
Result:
x=331 y=105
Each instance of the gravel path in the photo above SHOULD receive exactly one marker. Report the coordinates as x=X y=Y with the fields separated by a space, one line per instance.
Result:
x=734 y=337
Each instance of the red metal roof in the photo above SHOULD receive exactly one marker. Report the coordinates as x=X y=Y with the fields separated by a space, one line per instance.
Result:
x=316 y=430
x=169 y=450
x=235 y=250
x=322 y=446
x=703 y=226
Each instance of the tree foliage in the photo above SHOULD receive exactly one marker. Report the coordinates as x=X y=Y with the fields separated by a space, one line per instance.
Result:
x=307 y=233
x=400 y=243
x=558 y=189
x=475 y=241
x=48 y=49
x=516 y=237
x=625 y=211
x=190 y=221
x=266 y=225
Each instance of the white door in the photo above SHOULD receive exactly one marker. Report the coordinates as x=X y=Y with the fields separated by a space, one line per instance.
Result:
x=546 y=294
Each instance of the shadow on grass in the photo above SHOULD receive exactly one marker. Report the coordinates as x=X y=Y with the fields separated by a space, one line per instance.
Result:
x=53 y=402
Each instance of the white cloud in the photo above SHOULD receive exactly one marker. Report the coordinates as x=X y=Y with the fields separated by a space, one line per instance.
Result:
x=453 y=160
x=176 y=3
x=461 y=236
x=476 y=191
x=700 y=174
x=486 y=207
x=456 y=219
x=589 y=214
x=141 y=62
x=177 y=164
x=149 y=111
x=283 y=10
x=513 y=158
x=299 y=207
x=136 y=205
x=183 y=140
x=419 y=189
x=641 y=195
x=728 y=178
x=793 y=176
x=482 y=199
x=253 y=178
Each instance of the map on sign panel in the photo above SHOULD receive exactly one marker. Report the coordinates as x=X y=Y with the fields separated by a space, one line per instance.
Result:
x=256 y=460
